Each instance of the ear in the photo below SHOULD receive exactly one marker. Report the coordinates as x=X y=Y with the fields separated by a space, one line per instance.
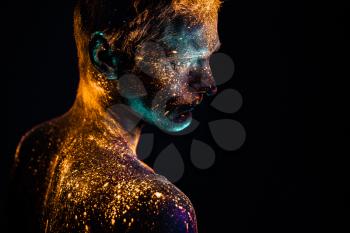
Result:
x=102 y=56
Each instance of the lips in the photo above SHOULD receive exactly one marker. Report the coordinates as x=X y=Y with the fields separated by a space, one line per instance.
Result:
x=180 y=112
x=198 y=99
x=182 y=117
x=184 y=108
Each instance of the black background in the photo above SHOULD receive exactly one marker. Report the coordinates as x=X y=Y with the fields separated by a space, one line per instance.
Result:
x=291 y=174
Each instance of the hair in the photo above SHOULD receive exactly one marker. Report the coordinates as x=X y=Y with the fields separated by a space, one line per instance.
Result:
x=129 y=21
x=126 y=23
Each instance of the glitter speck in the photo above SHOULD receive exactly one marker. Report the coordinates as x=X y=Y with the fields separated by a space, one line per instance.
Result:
x=158 y=194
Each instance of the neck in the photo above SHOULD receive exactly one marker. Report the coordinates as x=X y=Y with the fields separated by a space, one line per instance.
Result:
x=112 y=125
x=127 y=122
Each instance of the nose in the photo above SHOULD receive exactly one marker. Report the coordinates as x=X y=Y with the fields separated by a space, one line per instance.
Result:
x=201 y=81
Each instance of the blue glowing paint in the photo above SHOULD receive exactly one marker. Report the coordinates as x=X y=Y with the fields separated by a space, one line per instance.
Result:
x=157 y=118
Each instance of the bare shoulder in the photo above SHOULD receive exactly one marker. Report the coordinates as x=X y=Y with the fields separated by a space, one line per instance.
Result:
x=29 y=175
x=37 y=141
x=133 y=204
x=149 y=204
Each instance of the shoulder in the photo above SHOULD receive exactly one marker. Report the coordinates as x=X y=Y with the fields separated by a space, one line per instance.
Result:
x=174 y=211
x=29 y=175
x=33 y=156
x=132 y=200
x=35 y=140
x=151 y=204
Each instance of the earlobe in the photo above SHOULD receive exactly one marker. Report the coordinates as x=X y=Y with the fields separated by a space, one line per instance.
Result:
x=102 y=56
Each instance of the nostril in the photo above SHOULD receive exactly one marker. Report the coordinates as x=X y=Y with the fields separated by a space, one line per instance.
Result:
x=212 y=90
x=202 y=82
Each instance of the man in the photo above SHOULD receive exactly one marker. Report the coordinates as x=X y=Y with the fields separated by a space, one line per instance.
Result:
x=139 y=61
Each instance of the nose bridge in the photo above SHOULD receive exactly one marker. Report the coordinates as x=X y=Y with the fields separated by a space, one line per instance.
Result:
x=208 y=77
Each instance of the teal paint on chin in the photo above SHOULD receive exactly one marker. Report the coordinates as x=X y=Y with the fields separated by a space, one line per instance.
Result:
x=180 y=126
x=157 y=119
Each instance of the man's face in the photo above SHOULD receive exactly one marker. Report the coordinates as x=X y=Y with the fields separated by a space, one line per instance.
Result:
x=175 y=71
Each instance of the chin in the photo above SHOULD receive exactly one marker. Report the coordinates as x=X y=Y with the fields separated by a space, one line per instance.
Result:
x=173 y=126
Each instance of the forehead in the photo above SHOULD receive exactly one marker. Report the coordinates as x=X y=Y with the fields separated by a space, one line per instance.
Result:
x=183 y=32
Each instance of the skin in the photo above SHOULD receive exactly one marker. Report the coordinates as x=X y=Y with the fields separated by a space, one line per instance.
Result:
x=176 y=68
x=80 y=172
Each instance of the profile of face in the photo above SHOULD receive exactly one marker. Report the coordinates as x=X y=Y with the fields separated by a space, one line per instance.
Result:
x=171 y=73
x=175 y=70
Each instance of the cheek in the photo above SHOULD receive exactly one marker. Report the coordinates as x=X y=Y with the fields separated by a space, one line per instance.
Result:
x=170 y=77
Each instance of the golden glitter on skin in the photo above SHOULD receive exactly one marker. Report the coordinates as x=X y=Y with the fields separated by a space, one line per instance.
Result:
x=80 y=172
